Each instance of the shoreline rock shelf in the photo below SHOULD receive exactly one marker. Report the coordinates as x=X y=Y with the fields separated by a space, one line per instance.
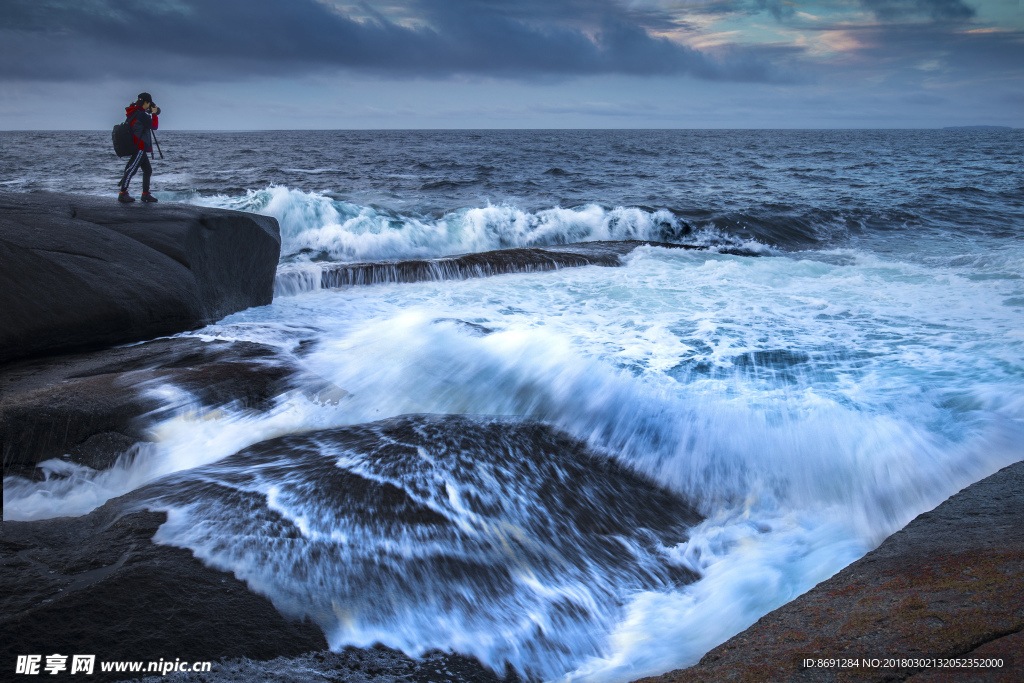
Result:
x=294 y=279
x=949 y=584
x=80 y=272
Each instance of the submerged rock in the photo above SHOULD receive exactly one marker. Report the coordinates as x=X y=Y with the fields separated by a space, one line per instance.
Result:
x=500 y=533
x=82 y=272
x=482 y=264
x=949 y=585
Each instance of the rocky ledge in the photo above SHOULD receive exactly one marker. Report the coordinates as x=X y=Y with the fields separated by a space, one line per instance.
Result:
x=949 y=585
x=82 y=272
x=99 y=585
x=306 y=277
x=91 y=408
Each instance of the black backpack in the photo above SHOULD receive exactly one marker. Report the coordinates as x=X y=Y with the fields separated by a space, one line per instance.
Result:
x=124 y=143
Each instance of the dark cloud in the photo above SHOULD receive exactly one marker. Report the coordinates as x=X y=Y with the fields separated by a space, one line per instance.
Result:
x=210 y=39
x=780 y=9
x=884 y=10
x=938 y=56
x=889 y=10
x=995 y=54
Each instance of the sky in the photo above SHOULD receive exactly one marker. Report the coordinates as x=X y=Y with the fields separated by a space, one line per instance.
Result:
x=294 y=64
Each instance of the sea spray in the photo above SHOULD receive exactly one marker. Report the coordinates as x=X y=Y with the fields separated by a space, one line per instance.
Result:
x=314 y=225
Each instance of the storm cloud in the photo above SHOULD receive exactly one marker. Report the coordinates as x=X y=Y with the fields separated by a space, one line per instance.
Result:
x=888 y=10
x=538 y=63
x=885 y=11
x=210 y=39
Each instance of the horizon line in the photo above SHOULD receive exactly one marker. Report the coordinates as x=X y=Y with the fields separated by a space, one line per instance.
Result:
x=279 y=130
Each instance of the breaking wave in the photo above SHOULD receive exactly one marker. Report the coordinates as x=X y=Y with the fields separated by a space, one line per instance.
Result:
x=315 y=226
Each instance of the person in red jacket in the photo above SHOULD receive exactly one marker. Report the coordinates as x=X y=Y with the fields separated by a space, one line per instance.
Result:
x=142 y=118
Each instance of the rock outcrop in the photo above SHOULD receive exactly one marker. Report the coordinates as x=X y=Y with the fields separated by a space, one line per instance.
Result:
x=98 y=585
x=91 y=408
x=950 y=585
x=376 y=664
x=465 y=266
x=81 y=272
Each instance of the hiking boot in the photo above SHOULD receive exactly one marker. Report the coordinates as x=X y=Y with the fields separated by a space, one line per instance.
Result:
x=125 y=198
x=147 y=197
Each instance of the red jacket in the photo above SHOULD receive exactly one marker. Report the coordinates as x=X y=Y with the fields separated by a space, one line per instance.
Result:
x=142 y=123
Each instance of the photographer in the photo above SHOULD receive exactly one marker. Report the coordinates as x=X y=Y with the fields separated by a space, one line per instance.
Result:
x=142 y=118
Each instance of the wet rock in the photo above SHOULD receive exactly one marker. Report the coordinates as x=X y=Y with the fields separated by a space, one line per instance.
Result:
x=465 y=266
x=91 y=408
x=483 y=500
x=81 y=272
x=377 y=664
x=947 y=585
x=580 y=502
x=98 y=585
x=471 y=328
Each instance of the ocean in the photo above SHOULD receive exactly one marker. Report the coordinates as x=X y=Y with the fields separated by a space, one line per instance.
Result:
x=604 y=471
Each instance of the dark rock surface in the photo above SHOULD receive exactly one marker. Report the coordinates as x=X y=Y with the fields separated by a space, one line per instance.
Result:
x=99 y=585
x=352 y=665
x=82 y=272
x=463 y=267
x=950 y=584
x=482 y=264
x=582 y=508
x=91 y=408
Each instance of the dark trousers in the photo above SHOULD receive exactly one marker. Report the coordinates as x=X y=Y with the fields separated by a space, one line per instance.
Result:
x=136 y=160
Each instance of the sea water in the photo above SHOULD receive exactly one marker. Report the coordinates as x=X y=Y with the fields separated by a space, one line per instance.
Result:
x=860 y=363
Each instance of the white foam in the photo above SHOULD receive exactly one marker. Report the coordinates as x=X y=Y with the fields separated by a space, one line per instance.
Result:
x=297 y=278
x=194 y=436
x=313 y=223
